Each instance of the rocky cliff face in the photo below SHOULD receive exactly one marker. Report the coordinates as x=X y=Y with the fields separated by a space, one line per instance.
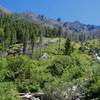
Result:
x=76 y=28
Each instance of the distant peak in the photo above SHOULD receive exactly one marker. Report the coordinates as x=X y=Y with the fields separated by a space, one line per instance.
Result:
x=76 y=22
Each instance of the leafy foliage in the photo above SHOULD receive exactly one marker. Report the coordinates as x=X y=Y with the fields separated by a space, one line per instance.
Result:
x=8 y=91
x=70 y=64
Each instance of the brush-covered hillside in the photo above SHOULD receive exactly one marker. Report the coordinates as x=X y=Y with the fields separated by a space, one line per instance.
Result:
x=35 y=58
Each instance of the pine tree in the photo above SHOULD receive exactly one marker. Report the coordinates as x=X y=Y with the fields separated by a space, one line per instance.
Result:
x=68 y=47
x=2 y=41
x=12 y=36
x=59 y=35
x=32 y=39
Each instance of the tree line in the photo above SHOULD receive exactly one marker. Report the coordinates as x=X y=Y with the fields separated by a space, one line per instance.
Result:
x=14 y=30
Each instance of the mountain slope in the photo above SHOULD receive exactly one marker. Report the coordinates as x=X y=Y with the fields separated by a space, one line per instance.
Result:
x=74 y=30
x=4 y=10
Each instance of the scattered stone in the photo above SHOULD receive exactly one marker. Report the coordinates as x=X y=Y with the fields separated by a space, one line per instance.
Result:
x=45 y=56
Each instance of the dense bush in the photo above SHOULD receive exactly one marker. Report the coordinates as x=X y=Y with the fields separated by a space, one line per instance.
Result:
x=8 y=91
x=59 y=65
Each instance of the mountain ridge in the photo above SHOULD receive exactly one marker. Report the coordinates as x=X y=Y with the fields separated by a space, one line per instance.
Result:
x=4 y=9
x=69 y=28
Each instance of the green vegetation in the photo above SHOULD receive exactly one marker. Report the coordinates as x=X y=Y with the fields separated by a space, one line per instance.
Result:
x=8 y=91
x=59 y=67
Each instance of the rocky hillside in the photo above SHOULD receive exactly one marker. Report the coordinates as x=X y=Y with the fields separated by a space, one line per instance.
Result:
x=74 y=30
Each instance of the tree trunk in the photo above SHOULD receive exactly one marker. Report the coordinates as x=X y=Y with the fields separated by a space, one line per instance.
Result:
x=24 y=47
x=32 y=52
x=59 y=45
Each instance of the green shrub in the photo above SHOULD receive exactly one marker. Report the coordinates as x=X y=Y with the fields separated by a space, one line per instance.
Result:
x=8 y=91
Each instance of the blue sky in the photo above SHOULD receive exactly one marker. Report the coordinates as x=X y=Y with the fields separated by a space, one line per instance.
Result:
x=85 y=11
